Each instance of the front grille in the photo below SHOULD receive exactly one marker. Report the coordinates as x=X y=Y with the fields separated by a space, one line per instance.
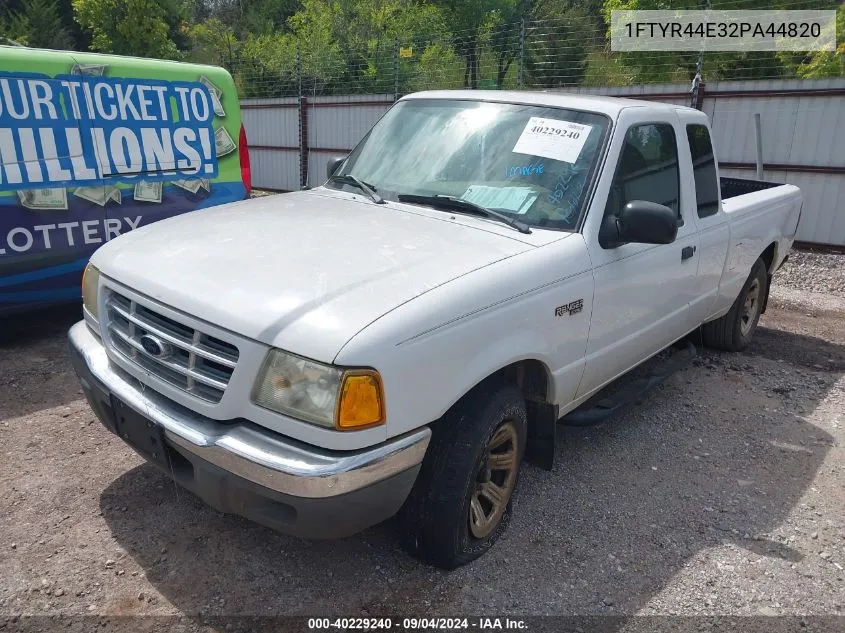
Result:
x=195 y=362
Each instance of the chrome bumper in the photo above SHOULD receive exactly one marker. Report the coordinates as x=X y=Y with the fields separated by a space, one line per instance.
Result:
x=259 y=456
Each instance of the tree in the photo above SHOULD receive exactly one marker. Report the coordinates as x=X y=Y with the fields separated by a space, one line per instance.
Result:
x=363 y=34
x=820 y=64
x=506 y=29
x=436 y=67
x=676 y=66
x=268 y=16
x=469 y=18
x=557 y=56
x=266 y=66
x=39 y=24
x=212 y=42
x=488 y=33
x=145 y=28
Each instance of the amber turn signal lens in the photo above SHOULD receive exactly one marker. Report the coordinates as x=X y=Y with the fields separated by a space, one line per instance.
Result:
x=361 y=401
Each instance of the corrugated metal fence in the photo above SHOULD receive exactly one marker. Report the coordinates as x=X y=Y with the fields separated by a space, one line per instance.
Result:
x=803 y=130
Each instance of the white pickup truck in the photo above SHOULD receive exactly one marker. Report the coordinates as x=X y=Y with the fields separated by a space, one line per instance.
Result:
x=395 y=340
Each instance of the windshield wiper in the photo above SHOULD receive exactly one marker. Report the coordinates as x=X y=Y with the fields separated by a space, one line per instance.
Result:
x=349 y=179
x=451 y=202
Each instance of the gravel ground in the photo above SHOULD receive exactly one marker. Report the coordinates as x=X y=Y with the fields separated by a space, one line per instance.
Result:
x=722 y=492
x=816 y=272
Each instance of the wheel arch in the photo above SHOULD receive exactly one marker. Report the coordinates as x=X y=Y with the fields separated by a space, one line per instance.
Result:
x=534 y=379
x=531 y=375
x=769 y=258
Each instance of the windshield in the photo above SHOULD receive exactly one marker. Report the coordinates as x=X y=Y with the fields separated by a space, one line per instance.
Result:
x=533 y=163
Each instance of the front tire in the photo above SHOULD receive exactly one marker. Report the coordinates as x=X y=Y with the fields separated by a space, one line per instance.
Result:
x=461 y=502
x=733 y=332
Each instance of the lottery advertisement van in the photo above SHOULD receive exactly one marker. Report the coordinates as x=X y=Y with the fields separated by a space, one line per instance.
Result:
x=92 y=146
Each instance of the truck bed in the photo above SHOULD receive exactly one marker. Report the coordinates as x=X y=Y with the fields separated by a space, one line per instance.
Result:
x=733 y=187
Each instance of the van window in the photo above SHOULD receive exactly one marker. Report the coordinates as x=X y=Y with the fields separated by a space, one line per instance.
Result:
x=704 y=170
x=648 y=169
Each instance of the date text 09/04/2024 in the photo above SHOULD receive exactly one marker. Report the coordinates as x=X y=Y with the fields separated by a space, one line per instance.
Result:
x=418 y=624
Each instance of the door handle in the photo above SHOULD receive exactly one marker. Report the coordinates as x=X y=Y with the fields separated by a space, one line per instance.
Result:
x=687 y=252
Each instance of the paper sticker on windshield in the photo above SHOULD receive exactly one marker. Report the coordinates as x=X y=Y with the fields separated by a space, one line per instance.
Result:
x=514 y=199
x=552 y=138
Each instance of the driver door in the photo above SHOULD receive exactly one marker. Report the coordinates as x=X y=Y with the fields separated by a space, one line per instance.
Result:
x=642 y=291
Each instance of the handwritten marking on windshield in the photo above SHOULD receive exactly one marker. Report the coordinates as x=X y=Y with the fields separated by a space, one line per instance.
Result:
x=567 y=186
x=531 y=169
x=562 y=184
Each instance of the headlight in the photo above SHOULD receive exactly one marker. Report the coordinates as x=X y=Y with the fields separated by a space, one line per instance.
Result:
x=345 y=399
x=90 y=288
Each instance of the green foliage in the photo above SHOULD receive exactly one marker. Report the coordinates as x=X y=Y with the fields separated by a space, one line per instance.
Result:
x=559 y=57
x=606 y=69
x=39 y=24
x=130 y=27
x=288 y=47
x=266 y=66
x=267 y=16
x=343 y=46
x=652 y=67
x=821 y=64
x=211 y=42
x=438 y=66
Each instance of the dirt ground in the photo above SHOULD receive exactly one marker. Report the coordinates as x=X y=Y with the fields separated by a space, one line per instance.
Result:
x=721 y=492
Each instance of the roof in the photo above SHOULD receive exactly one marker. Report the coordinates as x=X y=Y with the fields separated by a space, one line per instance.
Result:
x=610 y=106
x=86 y=57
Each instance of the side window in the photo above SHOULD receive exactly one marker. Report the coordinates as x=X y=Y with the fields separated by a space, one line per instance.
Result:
x=704 y=170
x=648 y=169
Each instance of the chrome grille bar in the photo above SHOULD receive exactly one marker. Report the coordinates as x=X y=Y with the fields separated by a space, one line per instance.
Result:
x=197 y=362
x=186 y=370
x=193 y=345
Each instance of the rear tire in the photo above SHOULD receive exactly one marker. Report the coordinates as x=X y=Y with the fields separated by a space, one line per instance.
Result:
x=461 y=502
x=733 y=332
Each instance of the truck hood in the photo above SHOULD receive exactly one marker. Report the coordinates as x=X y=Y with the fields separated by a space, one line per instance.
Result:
x=303 y=271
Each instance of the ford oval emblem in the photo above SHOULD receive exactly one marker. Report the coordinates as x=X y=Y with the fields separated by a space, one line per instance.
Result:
x=154 y=346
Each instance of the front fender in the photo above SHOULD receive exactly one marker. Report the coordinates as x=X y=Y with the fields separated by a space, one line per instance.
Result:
x=433 y=350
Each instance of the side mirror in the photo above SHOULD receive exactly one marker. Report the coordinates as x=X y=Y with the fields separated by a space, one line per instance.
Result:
x=641 y=222
x=333 y=164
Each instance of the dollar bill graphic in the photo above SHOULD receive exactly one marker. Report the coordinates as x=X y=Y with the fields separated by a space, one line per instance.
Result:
x=193 y=185
x=223 y=142
x=92 y=70
x=216 y=96
x=99 y=195
x=148 y=191
x=43 y=199
x=218 y=107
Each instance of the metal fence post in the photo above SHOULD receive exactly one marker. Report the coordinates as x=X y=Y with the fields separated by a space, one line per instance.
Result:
x=396 y=69
x=297 y=69
x=521 y=61
x=302 y=106
x=697 y=89
x=697 y=82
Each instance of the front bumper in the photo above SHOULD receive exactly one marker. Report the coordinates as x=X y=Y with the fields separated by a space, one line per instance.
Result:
x=244 y=469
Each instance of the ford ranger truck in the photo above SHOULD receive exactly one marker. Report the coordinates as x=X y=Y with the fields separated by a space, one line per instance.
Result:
x=397 y=340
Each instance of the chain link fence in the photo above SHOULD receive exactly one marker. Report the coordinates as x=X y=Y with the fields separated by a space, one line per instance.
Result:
x=309 y=98
x=537 y=54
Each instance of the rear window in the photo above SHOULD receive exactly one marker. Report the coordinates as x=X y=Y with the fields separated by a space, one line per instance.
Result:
x=704 y=170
